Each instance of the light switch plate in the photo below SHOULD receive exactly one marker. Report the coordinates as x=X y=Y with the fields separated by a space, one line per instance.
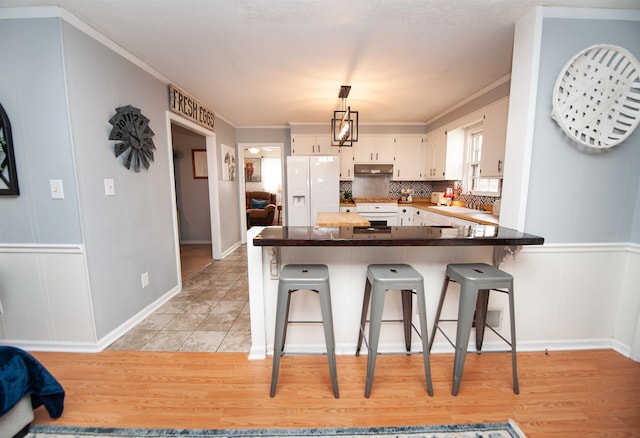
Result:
x=109 y=187
x=57 y=192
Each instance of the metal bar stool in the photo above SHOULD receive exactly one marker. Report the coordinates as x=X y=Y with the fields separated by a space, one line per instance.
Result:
x=303 y=277
x=380 y=279
x=476 y=281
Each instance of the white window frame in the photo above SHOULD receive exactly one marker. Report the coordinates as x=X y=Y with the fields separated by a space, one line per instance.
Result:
x=471 y=133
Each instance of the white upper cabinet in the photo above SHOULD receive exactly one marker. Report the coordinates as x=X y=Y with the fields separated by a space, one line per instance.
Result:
x=410 y=157
x=312 y=144
x=375 y=148
x=434 y=155
x=346 y=163
x=444 y=155
x=494 y=136
x=454 y=154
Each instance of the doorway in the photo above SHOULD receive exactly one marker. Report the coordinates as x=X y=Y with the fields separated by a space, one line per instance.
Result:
x=263 y=168
x=192 y=200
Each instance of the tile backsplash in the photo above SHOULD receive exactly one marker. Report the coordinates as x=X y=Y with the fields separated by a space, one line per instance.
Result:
x=422 y=189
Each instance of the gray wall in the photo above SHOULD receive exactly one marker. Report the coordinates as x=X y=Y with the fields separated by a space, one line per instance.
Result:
x=32 y=93
x=192 y=194
x=481 y=101
x=47 y=65
x=133 y=232
x=574 y=196
x=228 y=191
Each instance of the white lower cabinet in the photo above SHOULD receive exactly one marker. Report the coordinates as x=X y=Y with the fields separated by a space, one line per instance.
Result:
x=460 y=222
x=424 y=217
x=405 y=216
x=430 y=218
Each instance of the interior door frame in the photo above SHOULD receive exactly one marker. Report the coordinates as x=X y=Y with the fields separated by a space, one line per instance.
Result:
x=214 y=199
x=241 y=182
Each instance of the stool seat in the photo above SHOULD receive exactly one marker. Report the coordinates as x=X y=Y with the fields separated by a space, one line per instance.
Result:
x=380 y=279
x=293 y=278
x=482 y=275
x=476 y=281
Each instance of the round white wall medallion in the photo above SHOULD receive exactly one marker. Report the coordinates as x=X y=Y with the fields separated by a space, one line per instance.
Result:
x=596 y=98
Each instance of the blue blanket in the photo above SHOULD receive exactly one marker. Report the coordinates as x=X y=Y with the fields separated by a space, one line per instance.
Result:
x=22 y=374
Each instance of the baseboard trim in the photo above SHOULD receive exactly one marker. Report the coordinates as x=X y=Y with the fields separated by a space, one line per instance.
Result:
x=121 y=330
x=444 y=347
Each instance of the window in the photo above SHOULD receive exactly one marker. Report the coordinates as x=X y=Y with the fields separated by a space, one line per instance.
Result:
x=271 y=174
x=473 y=180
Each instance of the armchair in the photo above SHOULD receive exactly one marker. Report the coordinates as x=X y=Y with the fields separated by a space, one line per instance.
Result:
x=261 y=208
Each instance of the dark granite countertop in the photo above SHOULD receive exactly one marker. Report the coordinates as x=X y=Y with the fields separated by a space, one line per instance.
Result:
x=471 y=235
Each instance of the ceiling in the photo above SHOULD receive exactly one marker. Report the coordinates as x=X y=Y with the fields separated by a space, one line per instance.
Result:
x=272 y=62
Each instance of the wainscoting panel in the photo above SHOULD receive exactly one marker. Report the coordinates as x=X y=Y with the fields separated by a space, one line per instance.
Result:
x=45 y=296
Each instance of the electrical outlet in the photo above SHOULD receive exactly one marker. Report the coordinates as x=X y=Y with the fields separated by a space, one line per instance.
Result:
x=494 y=318
x=145 y=279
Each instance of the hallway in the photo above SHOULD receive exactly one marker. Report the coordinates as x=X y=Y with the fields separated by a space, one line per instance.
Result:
x=210 y=314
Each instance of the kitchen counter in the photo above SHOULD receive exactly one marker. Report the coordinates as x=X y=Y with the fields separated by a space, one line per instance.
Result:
x=331 y=219
x=470 y=235
x=347 y=251
x=457 y=210
x=479 y=216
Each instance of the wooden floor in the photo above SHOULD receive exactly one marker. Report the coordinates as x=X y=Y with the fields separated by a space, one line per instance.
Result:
x=193 y=258
x=577 y=394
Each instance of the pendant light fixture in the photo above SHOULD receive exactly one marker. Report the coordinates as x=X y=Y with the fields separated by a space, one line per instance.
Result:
x=344 y=124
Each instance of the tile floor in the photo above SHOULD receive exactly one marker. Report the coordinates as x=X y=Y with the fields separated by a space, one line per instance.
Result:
x=210 y=314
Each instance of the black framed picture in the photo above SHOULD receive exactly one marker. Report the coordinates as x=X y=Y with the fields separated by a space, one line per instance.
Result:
x=8 y=174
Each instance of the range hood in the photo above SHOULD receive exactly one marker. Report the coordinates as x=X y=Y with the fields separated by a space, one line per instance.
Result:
x=373 y=169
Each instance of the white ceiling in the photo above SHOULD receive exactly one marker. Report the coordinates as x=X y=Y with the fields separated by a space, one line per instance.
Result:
x=271 y=62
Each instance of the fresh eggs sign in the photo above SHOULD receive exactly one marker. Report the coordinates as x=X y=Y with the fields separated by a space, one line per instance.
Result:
x=184 y=104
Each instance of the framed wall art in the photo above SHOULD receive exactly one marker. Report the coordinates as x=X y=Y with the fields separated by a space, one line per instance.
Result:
x=252 y=170
x=8 y=175
x=199 y=159
x=228 y=163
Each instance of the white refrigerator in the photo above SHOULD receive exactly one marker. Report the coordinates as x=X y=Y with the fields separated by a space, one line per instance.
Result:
x=313 y=185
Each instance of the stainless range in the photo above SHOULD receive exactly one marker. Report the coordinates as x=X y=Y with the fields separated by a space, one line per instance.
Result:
x=378 y=211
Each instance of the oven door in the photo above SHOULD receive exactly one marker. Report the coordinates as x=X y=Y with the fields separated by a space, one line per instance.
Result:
x=381 y=219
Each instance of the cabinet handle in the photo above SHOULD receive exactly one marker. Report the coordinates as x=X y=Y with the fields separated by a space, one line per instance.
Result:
x=371 y=156
x=376 y=156
x=318 y=148
x=398 y=173
x=499 y=165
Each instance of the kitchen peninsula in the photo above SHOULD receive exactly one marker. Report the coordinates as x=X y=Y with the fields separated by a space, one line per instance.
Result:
x=347 y=251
